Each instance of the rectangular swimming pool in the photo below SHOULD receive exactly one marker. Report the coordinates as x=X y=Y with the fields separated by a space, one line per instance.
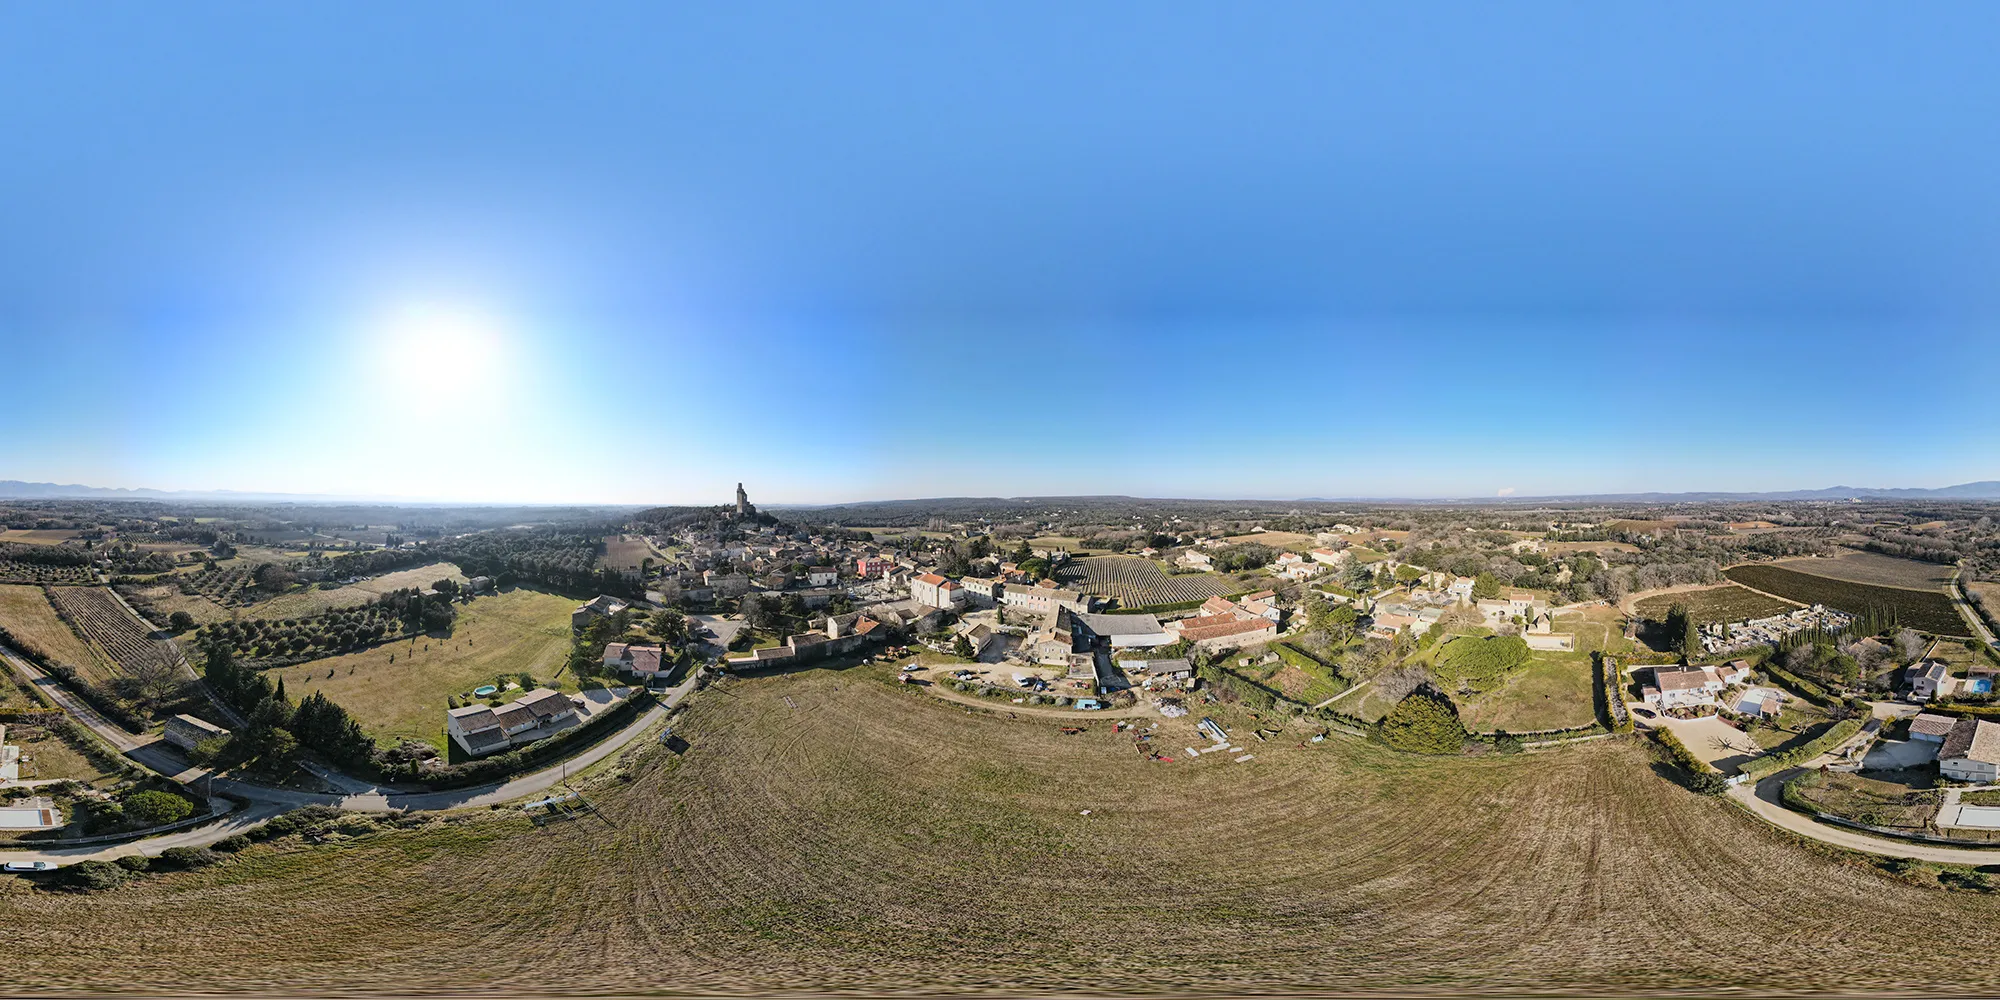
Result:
x=29 y=819
x=1983 y=817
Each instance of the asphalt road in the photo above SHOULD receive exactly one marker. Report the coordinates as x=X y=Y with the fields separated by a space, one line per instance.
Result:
x=1764 y=801
x=267 y=802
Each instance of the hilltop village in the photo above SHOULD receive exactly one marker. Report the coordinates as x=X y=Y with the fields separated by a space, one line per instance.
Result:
x=181 y=674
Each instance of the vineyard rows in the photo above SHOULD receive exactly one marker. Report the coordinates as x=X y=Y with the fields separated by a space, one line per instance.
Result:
x=1137 y=582
x=94 y=610
x=1924 y=610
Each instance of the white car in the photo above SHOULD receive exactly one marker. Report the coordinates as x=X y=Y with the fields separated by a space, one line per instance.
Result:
x=27 y=867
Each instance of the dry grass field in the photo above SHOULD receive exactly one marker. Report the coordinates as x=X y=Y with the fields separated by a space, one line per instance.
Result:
x=44 y=755
x=1286 y=540
x=513 y=632
x=37 y=536
x=826 y=831
x=419 y=577
x=165 y=599
x=625 y=552
x=1553 y=691
x=26 y=612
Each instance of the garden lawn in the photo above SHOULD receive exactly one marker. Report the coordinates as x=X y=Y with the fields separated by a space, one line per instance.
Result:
x=501 y=634
x=26 y=612
x=164 y=597
x=45 y=755
x=1799 y=721
x=1552 y=691
x=1598 y=629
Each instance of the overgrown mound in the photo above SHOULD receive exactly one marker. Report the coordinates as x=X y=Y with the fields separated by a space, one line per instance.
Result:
x=1425 y=721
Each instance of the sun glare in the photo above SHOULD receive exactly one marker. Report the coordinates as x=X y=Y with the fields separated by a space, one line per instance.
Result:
x=442 y=358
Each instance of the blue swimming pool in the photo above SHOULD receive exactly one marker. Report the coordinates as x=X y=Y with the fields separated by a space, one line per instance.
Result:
x=486 y=690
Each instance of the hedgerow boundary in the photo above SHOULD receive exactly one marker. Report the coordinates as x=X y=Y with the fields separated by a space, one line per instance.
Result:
x=1840 y=732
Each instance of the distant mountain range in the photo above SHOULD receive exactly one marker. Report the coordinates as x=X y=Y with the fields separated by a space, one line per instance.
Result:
x=13 y=489
x=1984 y=490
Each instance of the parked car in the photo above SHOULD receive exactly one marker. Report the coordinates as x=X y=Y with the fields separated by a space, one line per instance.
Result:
x=27 y=867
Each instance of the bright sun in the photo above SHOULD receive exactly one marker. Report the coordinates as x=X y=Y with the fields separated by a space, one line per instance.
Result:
x=441 y=358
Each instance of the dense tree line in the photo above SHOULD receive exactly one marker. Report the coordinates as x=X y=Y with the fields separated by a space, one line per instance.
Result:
x=561 y=560
x=277 y=729
x=44 y=555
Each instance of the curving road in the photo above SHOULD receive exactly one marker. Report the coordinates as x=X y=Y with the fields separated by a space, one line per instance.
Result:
x=267 y=802
x=1764 y=801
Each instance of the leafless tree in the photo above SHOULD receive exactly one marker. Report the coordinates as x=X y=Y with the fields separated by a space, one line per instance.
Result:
x=1910 y=645
x=154 y=678
x=1397 y=684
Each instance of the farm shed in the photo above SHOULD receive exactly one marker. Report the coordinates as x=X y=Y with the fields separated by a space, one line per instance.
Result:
x=185 y=731
x=1126 y=631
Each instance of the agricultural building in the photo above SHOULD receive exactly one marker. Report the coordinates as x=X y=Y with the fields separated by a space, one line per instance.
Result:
x=1124 y=631
x=185 y=731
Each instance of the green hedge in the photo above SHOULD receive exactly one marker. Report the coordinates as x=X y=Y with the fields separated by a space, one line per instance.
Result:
x=1989 y=711
x=1840 y=732
x=1310 y=664
x=1614 y=711
x=1680 y=754
x=1702 y=776
x=1806 y=689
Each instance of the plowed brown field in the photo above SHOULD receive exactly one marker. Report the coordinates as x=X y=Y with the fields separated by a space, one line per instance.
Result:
x=829 y=831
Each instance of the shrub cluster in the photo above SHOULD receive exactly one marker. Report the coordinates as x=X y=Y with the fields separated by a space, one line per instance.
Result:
x=1702 y=776
x=1425 y=721
x=1836 y=734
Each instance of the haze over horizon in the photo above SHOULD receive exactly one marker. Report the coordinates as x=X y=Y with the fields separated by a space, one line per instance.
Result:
x=871 y=251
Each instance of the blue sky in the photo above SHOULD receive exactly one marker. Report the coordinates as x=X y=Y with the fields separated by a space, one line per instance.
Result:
x=637 y=253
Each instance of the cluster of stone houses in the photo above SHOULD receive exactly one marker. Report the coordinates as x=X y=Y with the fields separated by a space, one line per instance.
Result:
x=1011 y=590
x=1221 y=623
